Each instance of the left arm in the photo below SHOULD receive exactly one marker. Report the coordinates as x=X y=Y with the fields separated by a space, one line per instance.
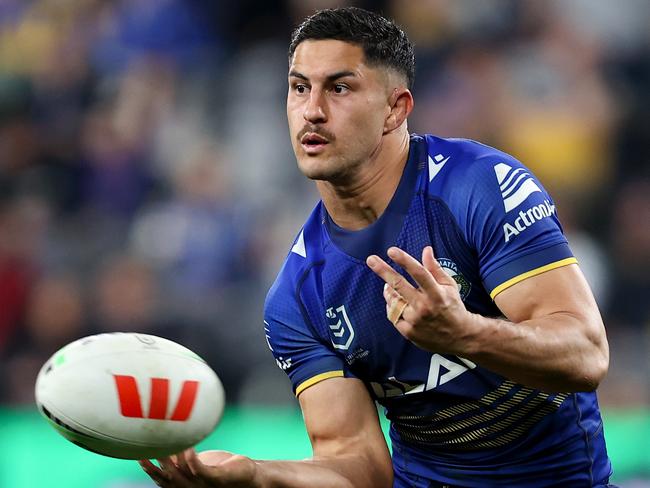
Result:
x=553 y=338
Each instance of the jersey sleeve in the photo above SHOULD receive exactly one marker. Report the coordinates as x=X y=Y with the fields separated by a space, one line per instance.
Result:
x=511 y=222
x=293 y=341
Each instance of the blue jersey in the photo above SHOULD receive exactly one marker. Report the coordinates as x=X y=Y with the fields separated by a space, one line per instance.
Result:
x=491 y=225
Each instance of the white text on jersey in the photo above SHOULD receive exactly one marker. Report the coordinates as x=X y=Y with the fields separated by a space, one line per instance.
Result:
x=527 y=218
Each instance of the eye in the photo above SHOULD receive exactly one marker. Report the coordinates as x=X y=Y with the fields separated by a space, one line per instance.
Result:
x=340 y=88
x=300 y=88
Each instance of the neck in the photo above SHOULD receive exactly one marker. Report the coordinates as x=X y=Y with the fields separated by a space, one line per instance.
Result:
x=361 y=199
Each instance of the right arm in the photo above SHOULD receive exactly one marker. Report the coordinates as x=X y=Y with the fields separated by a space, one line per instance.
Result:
x=349 y=449
x=348 y=444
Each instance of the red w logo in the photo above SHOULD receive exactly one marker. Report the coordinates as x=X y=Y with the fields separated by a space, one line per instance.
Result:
x=131 y=405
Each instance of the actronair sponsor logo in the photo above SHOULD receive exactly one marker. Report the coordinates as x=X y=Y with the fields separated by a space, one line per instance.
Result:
x=527 y=218
x=515 y=185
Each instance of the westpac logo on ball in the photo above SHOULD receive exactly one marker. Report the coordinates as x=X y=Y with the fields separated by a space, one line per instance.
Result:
x=131 y=403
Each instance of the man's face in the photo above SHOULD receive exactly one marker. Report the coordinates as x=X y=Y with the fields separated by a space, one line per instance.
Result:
x=336 y=106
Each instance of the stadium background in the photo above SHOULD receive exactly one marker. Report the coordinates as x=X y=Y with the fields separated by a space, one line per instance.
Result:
x=147 y=183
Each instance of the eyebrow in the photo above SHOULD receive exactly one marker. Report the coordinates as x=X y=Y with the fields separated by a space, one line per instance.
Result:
x=329 y=78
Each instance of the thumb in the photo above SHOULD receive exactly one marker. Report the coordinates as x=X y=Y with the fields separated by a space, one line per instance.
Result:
x=214 y=458
x=196 y=466
x=433 y=266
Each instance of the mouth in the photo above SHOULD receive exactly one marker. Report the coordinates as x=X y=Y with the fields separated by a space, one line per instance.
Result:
x=313 y=143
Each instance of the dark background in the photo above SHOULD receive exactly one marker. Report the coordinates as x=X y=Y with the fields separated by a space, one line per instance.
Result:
x=147 y=181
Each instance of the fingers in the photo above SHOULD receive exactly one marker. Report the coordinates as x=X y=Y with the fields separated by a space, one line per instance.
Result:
x=433 y=266
x=195 y=465
x=150 y=468
x=181 y=463
x=421 y=274
x=428 y=260
x=183 y=470
x=405 y=304
x=390 y=294
x=413 y=267
x=175 y=476
x=158 y=476
x=395 y=280
x=395 y=304
x=171 y=472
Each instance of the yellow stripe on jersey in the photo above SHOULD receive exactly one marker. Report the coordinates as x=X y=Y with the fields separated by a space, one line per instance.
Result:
x=529 y=274
x=317 y=379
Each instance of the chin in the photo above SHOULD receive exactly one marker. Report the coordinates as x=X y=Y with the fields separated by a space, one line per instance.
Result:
x=317 y=175
x=326 y=167
x=316 y=168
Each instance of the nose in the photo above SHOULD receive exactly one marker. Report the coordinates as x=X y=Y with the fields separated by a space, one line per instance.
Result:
x=315 y=111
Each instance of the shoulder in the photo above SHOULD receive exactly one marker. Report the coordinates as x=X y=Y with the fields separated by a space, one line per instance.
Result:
x=485 y=189
x=304 y=253
x=467 y=175
x=458 y=166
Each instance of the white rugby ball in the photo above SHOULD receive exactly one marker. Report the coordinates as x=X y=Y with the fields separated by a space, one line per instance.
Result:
x=129 y=395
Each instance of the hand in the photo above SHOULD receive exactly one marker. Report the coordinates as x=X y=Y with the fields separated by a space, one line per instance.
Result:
x=208 y=469
x=433 y=315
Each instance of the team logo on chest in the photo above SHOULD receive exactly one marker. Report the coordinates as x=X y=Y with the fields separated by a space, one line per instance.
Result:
x=464 y=286
x=341 y=330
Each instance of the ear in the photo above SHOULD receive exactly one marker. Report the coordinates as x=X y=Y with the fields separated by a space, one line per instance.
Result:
x=401 y=105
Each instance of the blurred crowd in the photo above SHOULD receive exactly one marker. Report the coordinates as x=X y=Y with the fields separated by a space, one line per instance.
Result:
x=147 y=181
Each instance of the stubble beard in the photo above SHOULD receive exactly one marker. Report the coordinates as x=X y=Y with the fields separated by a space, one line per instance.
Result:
x=334 y=170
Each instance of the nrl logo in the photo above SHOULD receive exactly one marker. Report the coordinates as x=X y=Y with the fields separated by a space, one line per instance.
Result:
x=341 y=329
x=464 y=286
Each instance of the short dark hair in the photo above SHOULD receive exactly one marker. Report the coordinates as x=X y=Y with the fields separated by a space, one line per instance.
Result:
x=382 y=41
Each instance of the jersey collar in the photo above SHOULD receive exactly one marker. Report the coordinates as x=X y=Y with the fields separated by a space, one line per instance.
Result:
x=377 y=237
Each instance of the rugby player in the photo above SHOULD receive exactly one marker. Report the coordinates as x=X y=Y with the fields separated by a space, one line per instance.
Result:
x=433 y=277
